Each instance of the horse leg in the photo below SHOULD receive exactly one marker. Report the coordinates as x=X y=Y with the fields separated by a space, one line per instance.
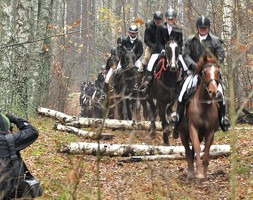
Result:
x=129 y=109
x=189 y=153
x=152 y=131
x=205 y=157
x=165 y=125
x=152 y=114
x=196 y=146
x=145 y=109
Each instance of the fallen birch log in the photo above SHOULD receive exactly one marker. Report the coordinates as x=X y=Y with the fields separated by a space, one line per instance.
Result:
x=114 y=124
x=62 y=117
x=88 y=122
x=131 y=149
x=177 y=156
x=85 y=134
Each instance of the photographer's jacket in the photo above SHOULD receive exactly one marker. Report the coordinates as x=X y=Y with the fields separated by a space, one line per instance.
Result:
x=25 y=137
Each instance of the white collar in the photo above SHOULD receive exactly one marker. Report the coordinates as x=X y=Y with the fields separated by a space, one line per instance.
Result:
x=202 y=37
x=169 y=28
x=132 y=39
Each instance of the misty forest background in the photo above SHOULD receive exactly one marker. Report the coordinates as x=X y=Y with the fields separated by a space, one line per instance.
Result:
x=49 y=47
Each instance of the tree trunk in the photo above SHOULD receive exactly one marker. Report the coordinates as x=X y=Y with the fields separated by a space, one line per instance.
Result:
x=85 y=134
x=131 y=149
x=88 y=122
x=176 y=156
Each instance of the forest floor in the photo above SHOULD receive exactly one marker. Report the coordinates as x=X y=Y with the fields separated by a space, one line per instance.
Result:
x=67 y=176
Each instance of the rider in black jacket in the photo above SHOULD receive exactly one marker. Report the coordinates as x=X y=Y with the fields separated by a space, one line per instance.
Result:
x=22 y=139
x=166 y=32
x=132 y=42
x=150 y=37
x=195 y=46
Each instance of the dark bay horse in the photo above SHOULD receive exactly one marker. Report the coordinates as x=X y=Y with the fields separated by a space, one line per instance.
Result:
x=200 y=121
x=165 y=88
x=86 y=103
x=124 y=85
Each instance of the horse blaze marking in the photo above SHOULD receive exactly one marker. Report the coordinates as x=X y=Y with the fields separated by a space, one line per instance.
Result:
x=173 y=48
x=212 y=73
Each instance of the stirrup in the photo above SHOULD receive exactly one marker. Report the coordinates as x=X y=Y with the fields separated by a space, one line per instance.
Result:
x=225 y=123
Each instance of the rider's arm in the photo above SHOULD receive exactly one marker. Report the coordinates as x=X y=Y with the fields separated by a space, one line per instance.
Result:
x=148 y=38
x=187 y=56
x=159 y=38
x=139 y=50
x=219 y=51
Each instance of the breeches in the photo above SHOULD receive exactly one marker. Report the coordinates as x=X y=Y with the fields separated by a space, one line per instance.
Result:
x=191 y=82
x=108 y=75
x=147 y=55
x=152 y=60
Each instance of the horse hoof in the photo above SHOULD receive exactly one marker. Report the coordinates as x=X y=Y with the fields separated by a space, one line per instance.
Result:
x=190 y=176
x=152 y=134
x=200 y=176
x=166 y=138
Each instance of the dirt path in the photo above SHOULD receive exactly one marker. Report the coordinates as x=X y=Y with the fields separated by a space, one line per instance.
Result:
x=73 y=107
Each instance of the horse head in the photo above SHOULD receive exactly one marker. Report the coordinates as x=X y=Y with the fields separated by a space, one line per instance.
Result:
x=172 y=53
x=130 y=58
x=209 y=71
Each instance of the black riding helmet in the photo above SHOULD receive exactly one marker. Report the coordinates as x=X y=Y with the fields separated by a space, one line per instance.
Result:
x=158 y=15
x=119 y=40
x=171 y=13
x=203 y=21
x=113 y=51
x=133 y=29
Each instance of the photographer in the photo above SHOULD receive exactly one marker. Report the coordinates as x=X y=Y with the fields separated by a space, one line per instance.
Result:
x=12 y=186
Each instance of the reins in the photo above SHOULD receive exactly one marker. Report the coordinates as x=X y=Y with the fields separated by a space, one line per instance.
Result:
x=159 y=73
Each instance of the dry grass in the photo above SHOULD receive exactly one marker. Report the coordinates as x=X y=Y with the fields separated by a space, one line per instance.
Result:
x=75 y=176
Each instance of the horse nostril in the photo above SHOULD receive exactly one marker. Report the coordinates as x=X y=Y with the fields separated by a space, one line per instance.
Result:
x=212 y=94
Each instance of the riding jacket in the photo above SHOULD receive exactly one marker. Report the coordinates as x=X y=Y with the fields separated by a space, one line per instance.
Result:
x=25 y=137
x=112 y=60
x=163 y=36
x=150 y=35
x=193 y=49
x=137 y=46
x=99 y=82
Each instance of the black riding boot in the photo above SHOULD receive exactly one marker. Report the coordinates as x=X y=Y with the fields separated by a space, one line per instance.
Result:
x=104 y=93
x=144 y=69
x=105 y=88
x=223 y=120
x=145 y=87
x=179 y=116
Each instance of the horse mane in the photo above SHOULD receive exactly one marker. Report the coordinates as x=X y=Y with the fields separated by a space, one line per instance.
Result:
x=206 y=58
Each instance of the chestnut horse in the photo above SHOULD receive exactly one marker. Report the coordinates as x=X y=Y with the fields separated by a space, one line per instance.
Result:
x=200 y=121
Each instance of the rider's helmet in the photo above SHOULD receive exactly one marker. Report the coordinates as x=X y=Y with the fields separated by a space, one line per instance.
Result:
x=158 y=15
x=133 y=29
x=113 y=51
x=203 y=21
x=171 y=13
x=119 y=40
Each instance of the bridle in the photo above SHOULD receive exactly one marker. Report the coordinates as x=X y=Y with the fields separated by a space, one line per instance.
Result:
x=206 y=84
x=173 y=57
